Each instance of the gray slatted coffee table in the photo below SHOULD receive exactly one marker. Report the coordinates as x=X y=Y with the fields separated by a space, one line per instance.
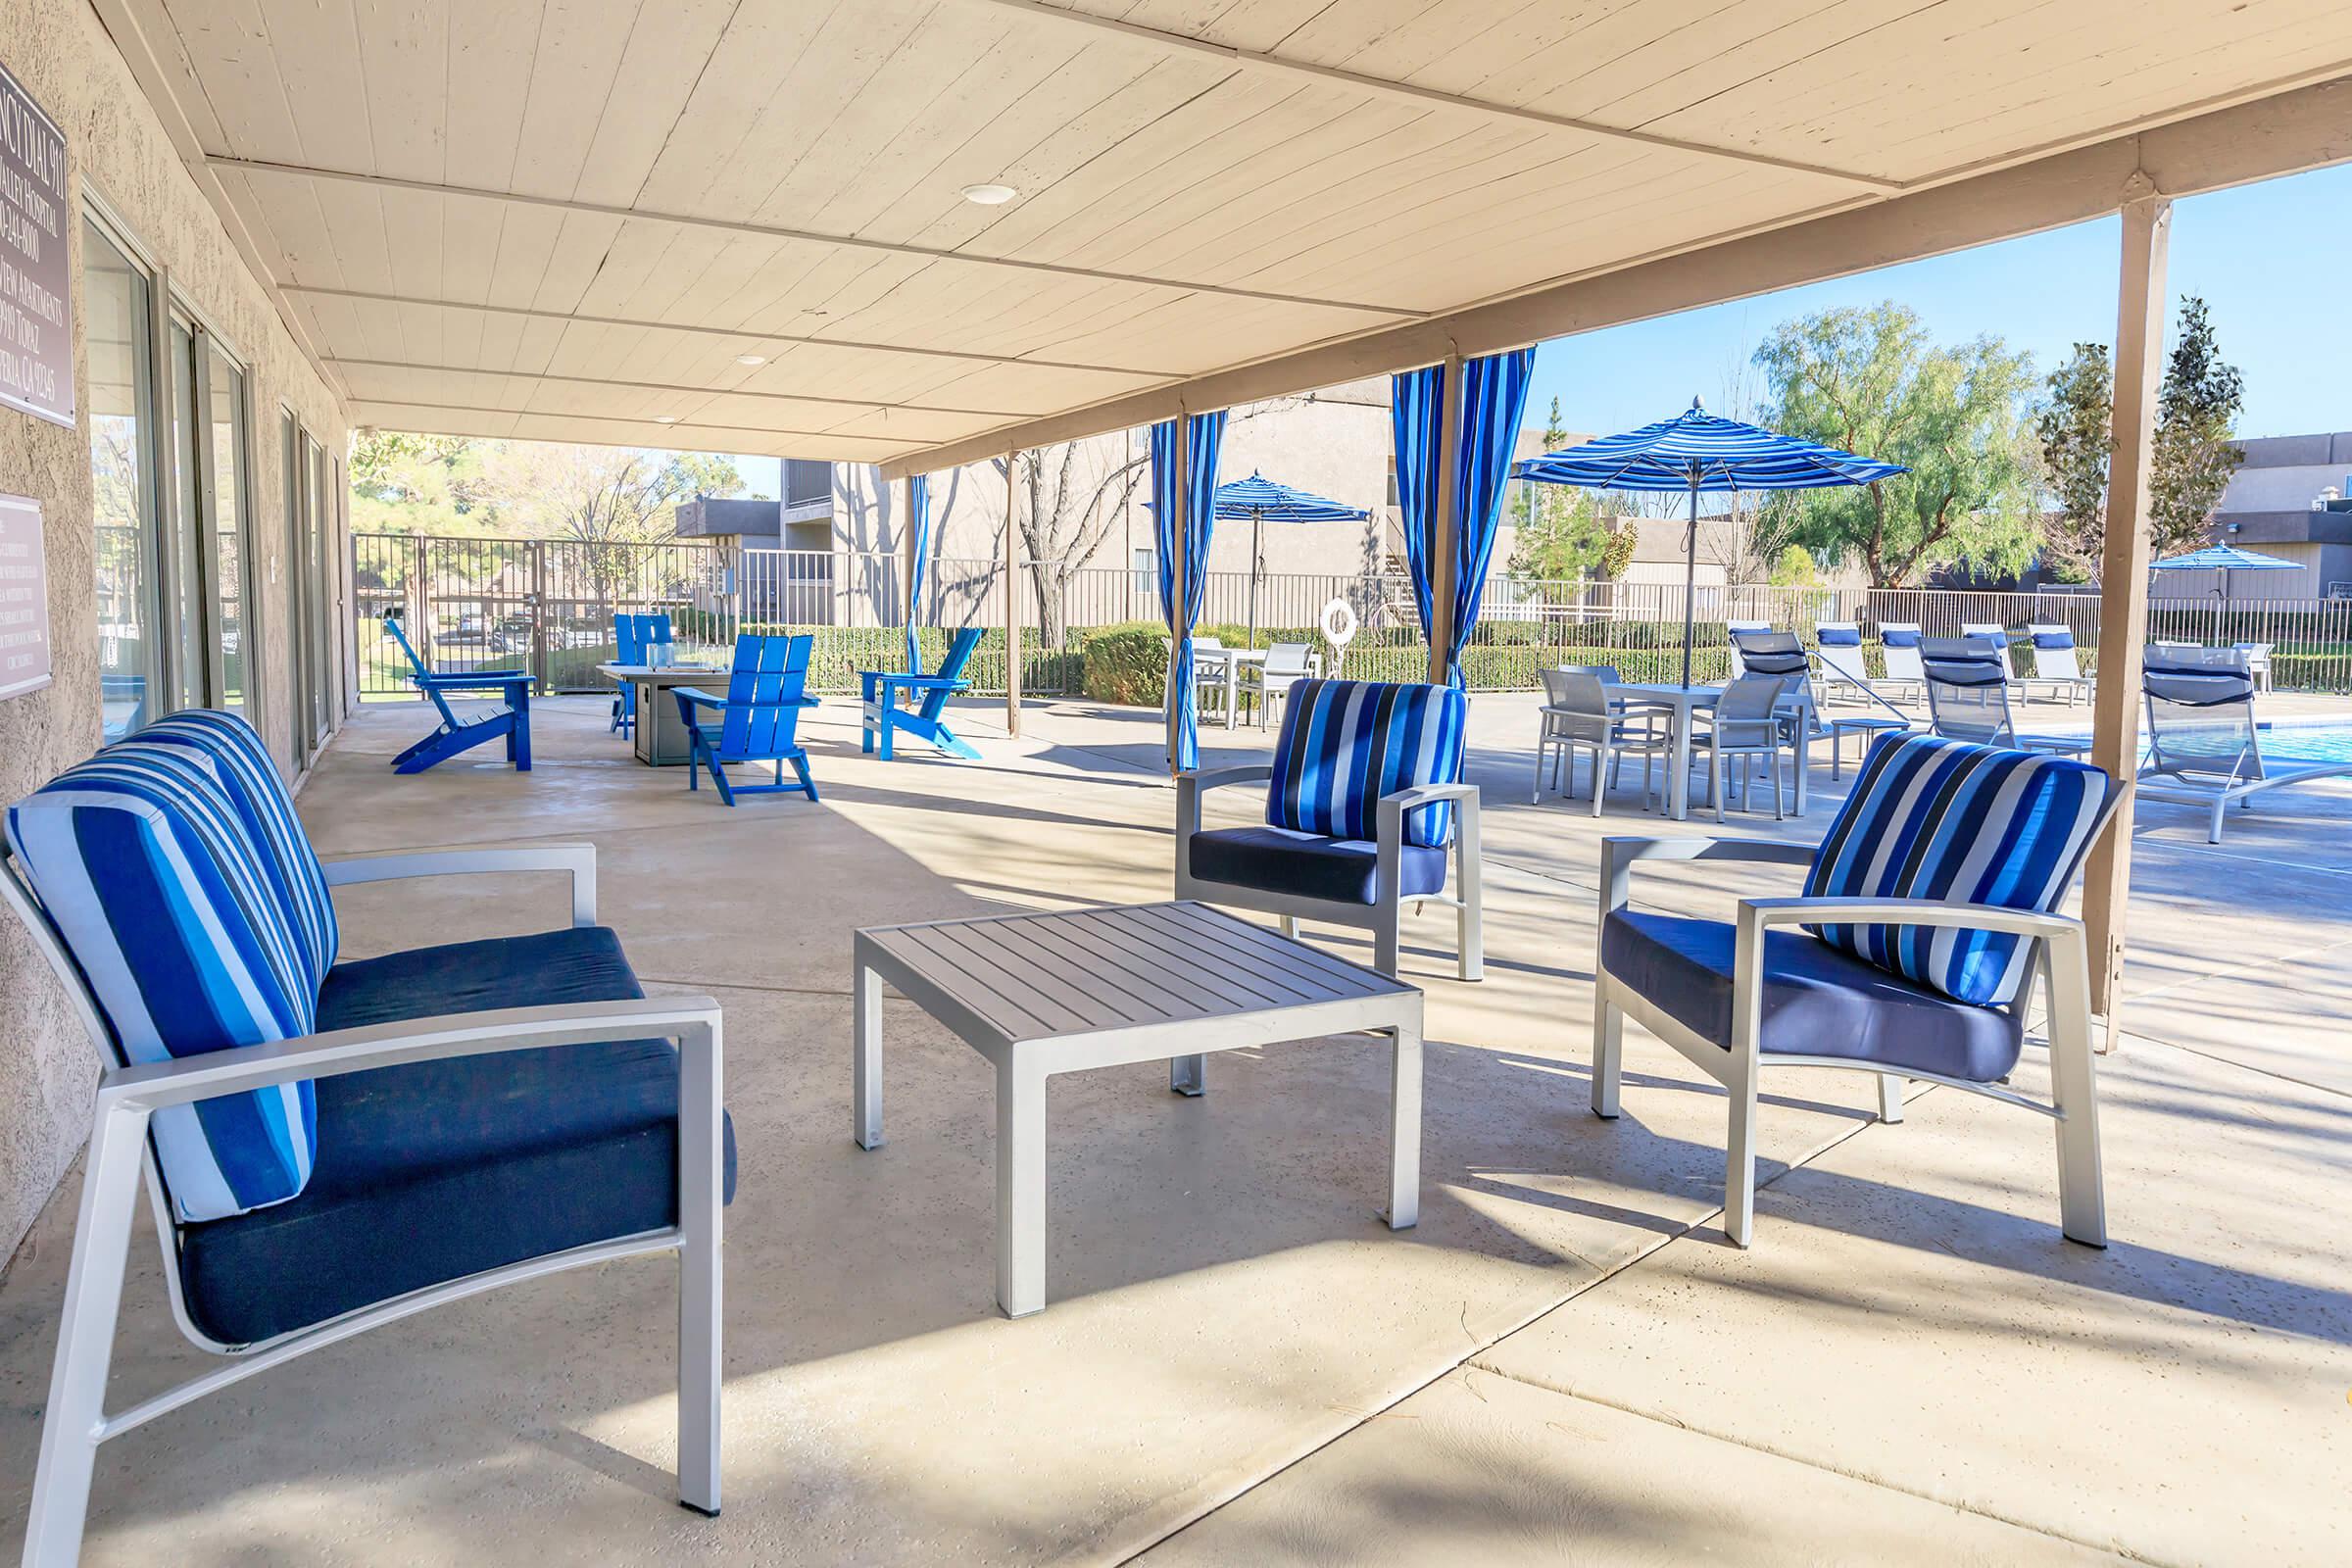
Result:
x=1042 y=994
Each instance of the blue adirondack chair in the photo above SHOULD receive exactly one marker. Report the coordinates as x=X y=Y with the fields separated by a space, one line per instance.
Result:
x=757 y=719
x=926 y=720
x=632 y=635
x=455 y=735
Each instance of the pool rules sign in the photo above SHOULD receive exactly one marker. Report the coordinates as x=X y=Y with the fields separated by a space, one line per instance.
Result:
x=36 y=324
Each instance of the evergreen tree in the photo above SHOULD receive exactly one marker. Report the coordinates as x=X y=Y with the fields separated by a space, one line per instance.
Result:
x=2073 y=428
x=2196 y=418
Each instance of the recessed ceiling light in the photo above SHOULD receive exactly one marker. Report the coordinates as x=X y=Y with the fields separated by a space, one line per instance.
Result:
x=989 y=195
x=751 y=359
x=666 y=419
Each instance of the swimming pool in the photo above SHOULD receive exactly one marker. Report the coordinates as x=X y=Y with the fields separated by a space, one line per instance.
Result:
x=2319 y=740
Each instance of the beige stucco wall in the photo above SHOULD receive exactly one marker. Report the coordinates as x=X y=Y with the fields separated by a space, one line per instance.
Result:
x=62 y=54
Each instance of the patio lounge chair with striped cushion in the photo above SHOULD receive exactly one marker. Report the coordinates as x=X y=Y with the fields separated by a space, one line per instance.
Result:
x=1927 y=909
x=1363 y=798
x=330 y=1144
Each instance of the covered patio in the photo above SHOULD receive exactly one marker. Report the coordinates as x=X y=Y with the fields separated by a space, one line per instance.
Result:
x=1562 y=1363
x=928 y=238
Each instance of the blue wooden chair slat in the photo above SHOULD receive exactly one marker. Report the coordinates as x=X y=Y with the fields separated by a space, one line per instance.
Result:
x=926 y=721
x=632 y=636
x=512 y=722
x=758 y=720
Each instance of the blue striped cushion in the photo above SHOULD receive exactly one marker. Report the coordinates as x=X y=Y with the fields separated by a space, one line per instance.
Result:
x=147 y=870
x=242 y=761
x=1346 y=743
x=1936 y=819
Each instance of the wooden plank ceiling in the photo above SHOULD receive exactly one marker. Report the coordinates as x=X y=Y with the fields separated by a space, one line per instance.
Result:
x=572 y=219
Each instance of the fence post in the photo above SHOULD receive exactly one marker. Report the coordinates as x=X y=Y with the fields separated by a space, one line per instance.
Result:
x=422 y=633
x=539 y=660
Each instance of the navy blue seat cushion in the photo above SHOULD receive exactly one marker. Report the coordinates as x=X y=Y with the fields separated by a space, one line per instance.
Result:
x=433 y=1172
x=1817 y=1000
x=1277 y=860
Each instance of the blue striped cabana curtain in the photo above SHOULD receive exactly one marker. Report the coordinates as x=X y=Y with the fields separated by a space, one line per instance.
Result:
x=1197 y=507
x=918 y=517
x=1493 y=398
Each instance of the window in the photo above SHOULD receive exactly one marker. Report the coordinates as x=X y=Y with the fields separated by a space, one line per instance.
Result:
x=1146 y=569
x=806 y=481
x=231 y=562
x=118 y=300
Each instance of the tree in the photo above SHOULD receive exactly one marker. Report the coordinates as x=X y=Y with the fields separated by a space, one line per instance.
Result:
x=405 y=483
x=1563 y=529
x=2073 y=427
x=2196 y=418
x=1869 y=381
x=607 y=499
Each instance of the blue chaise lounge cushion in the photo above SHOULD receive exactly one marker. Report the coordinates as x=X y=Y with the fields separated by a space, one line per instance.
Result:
x=429 y=1172
x=1817 y=1000
x=1276 y=859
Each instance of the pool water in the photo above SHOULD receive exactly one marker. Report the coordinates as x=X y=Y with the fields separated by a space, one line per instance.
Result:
x=2323 y=741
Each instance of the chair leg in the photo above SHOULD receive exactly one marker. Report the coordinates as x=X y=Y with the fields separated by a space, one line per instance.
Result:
x=1891 y=1096
x=702 y=1210
x=1470 y=921
x=85 y=1340
x=2074 y=1090
x=799 y=765
x=1187 y=1076
x=1715 y=780
x=1608 y=1052
x=1603 y=755
x=1740 y=1161
x=1385 y=916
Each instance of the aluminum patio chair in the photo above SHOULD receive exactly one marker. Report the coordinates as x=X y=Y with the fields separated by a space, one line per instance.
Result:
x=1354 y=831
x=1270 y=682
x=1997 y=637
x=1899 y=652
x=1744 y=727
x=328 y=1144
x=1914 y=965
x=1578 y=715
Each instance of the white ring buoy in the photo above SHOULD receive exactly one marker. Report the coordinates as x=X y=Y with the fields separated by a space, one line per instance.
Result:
x=1339 y=623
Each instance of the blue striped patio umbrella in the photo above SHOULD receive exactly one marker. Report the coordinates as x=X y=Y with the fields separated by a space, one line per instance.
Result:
x=2224 y=558
x=1262 y=501
x=1697 y=452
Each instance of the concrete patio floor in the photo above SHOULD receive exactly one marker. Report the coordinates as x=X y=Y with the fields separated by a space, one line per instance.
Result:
x=1240 y=1364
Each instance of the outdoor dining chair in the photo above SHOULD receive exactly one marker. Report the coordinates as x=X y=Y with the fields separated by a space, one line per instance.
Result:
x=636 y=640
x=1576 y=715
x=1270 y=682
x=1928 y=911
x=1210 y=657
x=328 y=1144
x=757 y=721
x=1363 y=798
x=1744 y=727
x=1968 y=698
x=509 y=721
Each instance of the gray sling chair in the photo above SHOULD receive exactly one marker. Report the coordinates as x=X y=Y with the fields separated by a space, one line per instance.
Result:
x=2203 y=746
x=1926 y=973
x=1968 y=697
x=1578 y=715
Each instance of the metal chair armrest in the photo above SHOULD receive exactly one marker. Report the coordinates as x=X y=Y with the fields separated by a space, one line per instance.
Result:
x=694 y=1021
x=1764 y=912
x=1618 y=854
x=471 y=859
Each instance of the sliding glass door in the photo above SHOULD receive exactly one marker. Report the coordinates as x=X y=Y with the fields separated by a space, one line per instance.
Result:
x=118 y=302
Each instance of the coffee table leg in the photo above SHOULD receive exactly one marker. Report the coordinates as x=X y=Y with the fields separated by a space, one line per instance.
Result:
x=865 y=1091
x=1404 y=1128
x=1188 y=1075
x=1020 y=1189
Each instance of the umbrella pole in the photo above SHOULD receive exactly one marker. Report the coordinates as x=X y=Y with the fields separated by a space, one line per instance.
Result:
x=1690 y=580
x=1257 y=536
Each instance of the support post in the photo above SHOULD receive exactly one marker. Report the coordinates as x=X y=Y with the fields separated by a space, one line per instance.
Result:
x=1013 y=595
x=1445 y=550
x=908 y=532
x=1180 y=583
x=2124 y=578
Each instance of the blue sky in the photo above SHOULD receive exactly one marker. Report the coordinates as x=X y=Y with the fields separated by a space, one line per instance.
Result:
x=2268 y=260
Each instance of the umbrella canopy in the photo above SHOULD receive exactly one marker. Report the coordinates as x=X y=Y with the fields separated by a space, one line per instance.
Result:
x=2222 y=557
x=1260 y=498
x=1696 y=452
x=1262 y=501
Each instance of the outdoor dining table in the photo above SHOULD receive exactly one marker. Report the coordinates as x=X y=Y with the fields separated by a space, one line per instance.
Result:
x=660 y=730
x=1681 y=703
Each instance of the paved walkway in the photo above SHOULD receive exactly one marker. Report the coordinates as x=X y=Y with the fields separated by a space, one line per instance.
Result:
x=1563 y=1363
